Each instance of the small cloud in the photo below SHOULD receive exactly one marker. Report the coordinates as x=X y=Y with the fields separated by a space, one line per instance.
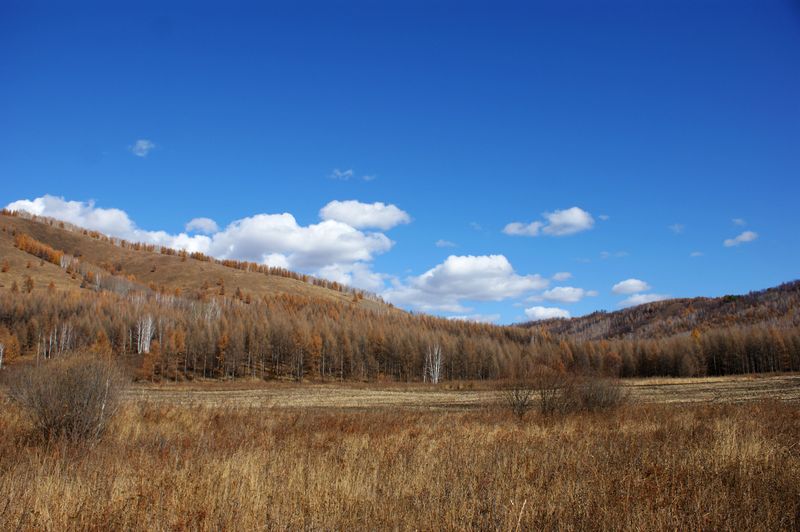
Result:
x=617 y=254
x=562 y=276
x=739 y=221
x=477 y=318
x=341 y=175
x=546 y=313
x=445 y=244
x=604 y=217
x=641 y=299
x=202 y=225
x=142 y=147
x=630 y=286
x=696 y=254
x=747 y=236
x=369 y=177
x=520 y=229
x=677 y=228
x=567 y=294
x=559 y=223
x=476 y=226
x=362 y=215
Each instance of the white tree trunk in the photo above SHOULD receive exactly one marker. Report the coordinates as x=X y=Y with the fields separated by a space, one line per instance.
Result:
x=2 y=350
x=433 y=364
x=144 y=334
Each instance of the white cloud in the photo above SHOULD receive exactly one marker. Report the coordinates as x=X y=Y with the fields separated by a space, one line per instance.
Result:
x=545 y=313
x=332 y=248
x=567 y=294
x=460 y=278
x=696 y=254
x=604 y=217
x=202 y=225
x=630 y=286
x=562 y=276
x=357 y=275
x=558 y=223
x=477 y=318
x=739 y=221
x=747 y=236
x=445 y=244
x=521 y=229
x=677 y=228
x=142 y=147
x=362 y=215
x=641 y=299
x=341 y=175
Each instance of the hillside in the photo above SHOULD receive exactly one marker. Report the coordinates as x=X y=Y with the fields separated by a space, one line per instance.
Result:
x=161 y=270
x=779 y=306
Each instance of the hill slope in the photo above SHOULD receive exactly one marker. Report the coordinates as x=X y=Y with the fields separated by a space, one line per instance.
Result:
x=148 y=268
x=774 y=306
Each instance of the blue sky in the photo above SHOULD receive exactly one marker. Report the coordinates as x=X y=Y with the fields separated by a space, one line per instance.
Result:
x=465 y=117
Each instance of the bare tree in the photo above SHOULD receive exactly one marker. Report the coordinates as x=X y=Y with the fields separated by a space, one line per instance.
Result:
x=144 y=334
x=433 y=364
x=2 y=351
x=519 y=397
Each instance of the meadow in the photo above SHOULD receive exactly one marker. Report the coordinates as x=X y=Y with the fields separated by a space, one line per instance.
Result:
x=337 y=462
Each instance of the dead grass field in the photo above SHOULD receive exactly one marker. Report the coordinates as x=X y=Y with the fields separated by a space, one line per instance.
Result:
x=733 y=389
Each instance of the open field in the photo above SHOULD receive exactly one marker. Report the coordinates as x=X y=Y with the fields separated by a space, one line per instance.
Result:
x=732 y=389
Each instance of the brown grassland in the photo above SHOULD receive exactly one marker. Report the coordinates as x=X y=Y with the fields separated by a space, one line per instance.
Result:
x=229 y=464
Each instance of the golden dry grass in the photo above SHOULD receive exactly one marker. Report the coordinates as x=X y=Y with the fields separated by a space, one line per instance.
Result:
x=449 y=396
x=644 y=467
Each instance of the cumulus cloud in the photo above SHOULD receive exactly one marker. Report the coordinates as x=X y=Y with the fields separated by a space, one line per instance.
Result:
x=562 y=276
x=202 y=225
x=630 y=286
x=476 y=318
x=142 y=147
x=747 y=236
x=362 y=215
x=331 y=248
x=567 y=294
x=445 y=244
x=557 y=223
x=464 y=278
x=545 y=313
x=641 y=299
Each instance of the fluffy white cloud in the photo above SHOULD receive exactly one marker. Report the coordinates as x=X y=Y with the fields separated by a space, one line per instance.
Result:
x=558 y=223
x=477 y=318
x=459 y=278
x=567 y=294
x=362 y=215
x=641 y=299
x=445 y=244
x=546 y=313
x=202 y=225
x=357 y=275
x=330 y=248
x=747 y=236
x=562 y=276
x=142 y=147
x=630 y=286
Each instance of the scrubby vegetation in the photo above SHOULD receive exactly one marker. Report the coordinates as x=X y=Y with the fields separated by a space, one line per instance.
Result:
x=657 y=467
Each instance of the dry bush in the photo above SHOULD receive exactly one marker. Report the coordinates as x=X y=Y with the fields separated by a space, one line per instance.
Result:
x=71 y=398
x=598 y=393
x=519 y=397
x=562 y=393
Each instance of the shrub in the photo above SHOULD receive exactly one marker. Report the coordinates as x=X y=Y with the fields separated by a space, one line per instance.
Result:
x=600 y=394
x=73 y=398
x=519 y=397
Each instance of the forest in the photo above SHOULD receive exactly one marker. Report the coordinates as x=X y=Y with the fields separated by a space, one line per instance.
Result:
x=205 y=328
